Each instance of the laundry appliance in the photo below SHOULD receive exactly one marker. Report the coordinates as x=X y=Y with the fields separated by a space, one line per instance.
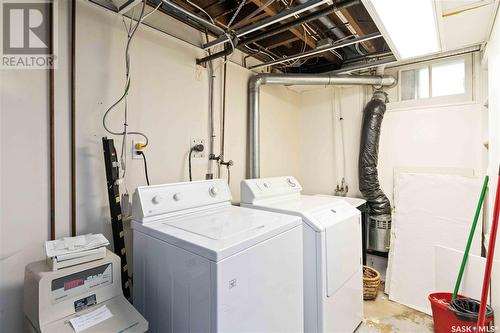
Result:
x=203 y=265
x=333 y=286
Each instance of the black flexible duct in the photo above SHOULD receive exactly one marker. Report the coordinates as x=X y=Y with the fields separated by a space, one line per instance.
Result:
x=369 y=185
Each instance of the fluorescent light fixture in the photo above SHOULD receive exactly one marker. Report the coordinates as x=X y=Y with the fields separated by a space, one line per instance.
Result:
x=410 y=24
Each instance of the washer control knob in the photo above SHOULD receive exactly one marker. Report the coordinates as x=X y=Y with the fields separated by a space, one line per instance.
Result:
x=157 y=199
x=266 y=185
x=176 y=196
x=213 y=191
x=291 y=182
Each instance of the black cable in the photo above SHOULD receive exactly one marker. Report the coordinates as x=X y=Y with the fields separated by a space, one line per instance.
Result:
x=228 y=175
x=145 y=165
x=198 y=148
x=190 y=172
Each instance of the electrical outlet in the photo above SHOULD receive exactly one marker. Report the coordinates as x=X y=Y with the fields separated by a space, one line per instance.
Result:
x=135 y=155
x=198 y=154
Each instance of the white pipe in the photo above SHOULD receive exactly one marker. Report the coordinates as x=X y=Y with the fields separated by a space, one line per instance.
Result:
x=289 y=80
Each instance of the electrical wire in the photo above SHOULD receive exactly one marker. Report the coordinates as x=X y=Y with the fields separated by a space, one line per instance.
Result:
x=255 y=12
x=229 y=39
x=228 y=175
x=189 y=165
x=131 y=30
x=145 y=166
x=341 y=125
x=127 y=83
x=201 y=10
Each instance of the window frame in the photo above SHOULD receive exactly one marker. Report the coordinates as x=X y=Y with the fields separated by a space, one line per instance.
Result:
x=466 y=97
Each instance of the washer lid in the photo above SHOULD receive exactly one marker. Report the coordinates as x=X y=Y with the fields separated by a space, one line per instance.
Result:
x=221 y=227
x=219 y=233
x=319 y=212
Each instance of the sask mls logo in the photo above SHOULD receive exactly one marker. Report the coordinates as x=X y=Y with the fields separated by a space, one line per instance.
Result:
x=26 y=33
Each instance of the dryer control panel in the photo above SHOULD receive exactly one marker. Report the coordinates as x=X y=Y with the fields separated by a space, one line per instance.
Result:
x=154 y=202
x=253 y=190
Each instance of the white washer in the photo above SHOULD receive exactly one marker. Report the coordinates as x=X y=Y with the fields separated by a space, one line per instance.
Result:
x=333 y=285
x=203 y=265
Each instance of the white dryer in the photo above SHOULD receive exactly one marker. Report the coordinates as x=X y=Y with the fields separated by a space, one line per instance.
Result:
x=203 y=265
x=333 y=285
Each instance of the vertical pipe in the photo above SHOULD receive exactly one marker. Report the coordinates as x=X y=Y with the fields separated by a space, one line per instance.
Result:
x=73 y=118
x=52 y=173
x=223 y=116
x=213 y=135
x=254 y=127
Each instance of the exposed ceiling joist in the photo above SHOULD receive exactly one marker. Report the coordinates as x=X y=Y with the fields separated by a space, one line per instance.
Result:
x=254 y=19
x=282 y=42
x=368 y=44
x=299 y=34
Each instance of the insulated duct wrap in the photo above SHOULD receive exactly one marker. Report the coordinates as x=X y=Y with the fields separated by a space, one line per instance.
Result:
x=369 y=185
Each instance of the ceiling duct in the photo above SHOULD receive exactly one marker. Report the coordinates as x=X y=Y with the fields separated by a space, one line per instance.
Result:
x=257 y=81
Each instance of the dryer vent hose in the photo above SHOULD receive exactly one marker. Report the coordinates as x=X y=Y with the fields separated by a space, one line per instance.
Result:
x=369 y=184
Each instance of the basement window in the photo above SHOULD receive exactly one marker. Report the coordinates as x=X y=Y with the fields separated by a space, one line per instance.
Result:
x=414 y=84
x=437 y=82
x=448 y=78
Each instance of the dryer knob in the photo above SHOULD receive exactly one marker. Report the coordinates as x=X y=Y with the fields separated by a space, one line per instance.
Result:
x=157 y=199
x=213 y=191
x=176 y=196
x=291 y=182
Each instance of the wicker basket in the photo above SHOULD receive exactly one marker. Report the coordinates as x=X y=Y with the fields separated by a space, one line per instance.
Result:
x=371 y=283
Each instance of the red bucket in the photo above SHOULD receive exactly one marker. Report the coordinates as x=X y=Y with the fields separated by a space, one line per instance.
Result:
x=446 y=321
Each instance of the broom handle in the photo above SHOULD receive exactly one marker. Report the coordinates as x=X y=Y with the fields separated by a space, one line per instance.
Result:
x=471 y=236
x=489 y=260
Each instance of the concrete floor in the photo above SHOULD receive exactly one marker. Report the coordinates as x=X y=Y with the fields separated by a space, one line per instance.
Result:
x=384 y=316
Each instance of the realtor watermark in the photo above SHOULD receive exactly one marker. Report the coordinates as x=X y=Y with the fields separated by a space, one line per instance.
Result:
x=473 y=329
x=26 y=34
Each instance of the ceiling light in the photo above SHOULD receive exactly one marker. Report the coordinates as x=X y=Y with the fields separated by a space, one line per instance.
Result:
x=409 y=24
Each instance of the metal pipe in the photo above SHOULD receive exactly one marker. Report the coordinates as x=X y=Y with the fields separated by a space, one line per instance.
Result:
x=73 y=118
x=52 y=140
x=213 y=135
x=364 y=65
x=225 y=52
x=328 y=23
x=301 y=20
x=268 y=21
x=321 y=49
x=178 y=11
x=257 y=81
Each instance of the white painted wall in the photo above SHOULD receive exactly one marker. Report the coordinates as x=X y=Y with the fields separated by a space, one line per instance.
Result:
x=280 y=135
x=168 y=101
x=438 y=136
x=321 y=140
x=493 y=65
x=24 y=170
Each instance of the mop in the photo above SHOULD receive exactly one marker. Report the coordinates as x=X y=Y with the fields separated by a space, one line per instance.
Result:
x=471 y=236
x=489 y=261
x=452 y=310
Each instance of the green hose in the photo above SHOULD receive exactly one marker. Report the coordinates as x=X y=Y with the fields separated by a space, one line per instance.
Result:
x=471 y=236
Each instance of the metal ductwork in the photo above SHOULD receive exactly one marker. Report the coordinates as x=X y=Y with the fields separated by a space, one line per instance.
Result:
x=289 y=80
